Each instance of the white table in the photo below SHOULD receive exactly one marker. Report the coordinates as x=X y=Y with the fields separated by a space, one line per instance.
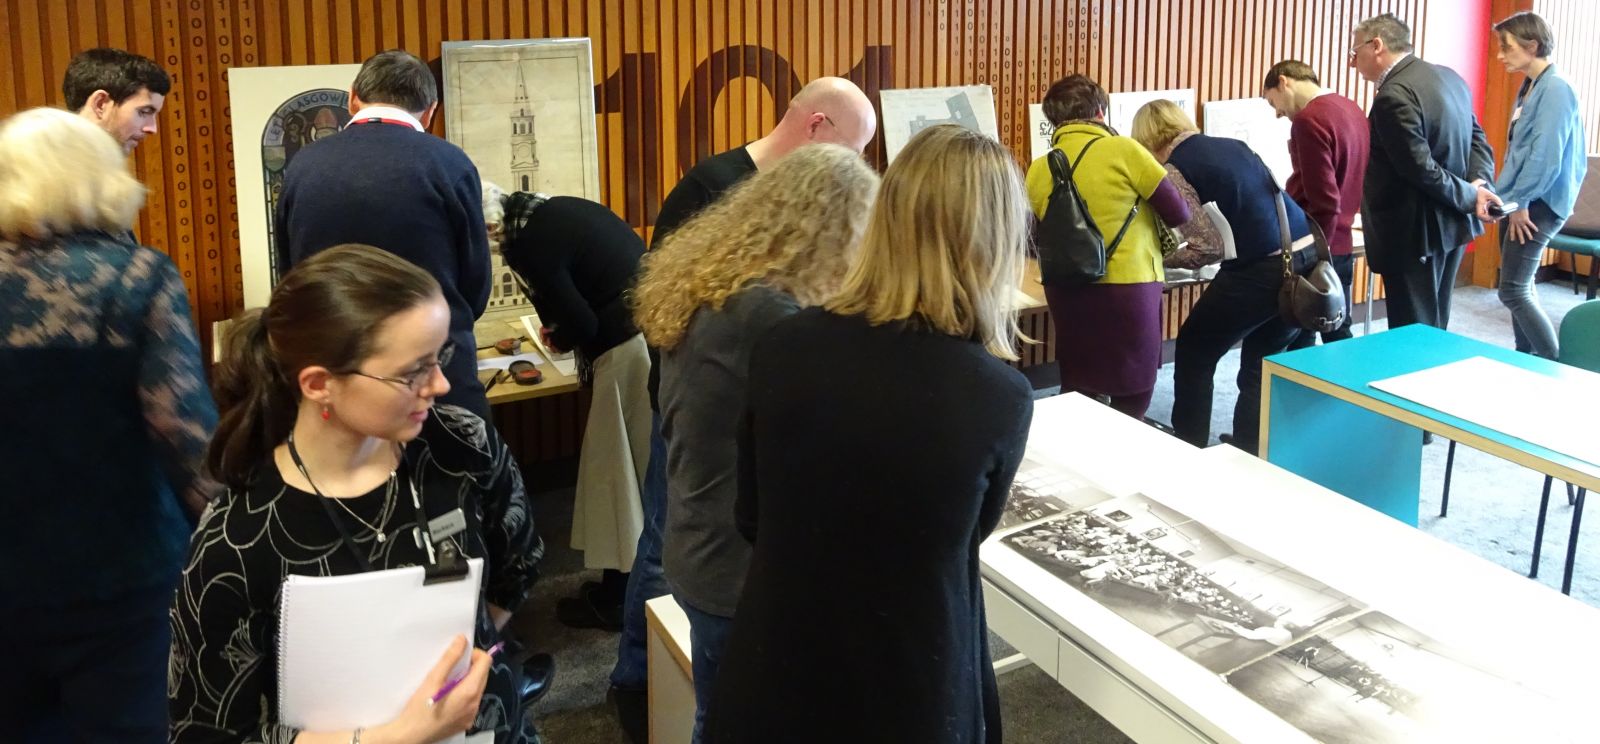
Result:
x=1153 y=693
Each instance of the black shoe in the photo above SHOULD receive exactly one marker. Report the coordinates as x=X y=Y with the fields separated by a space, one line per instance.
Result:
x=582 y=612
x=538 y=672
x=633 y=712
x=1427 y=438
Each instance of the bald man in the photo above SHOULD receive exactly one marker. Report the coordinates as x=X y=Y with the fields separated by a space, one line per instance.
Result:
x=827 y=109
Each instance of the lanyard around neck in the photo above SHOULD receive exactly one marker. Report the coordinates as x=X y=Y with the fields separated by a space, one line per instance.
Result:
x=419 y=530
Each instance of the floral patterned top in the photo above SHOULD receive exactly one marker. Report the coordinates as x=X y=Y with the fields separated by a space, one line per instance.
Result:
x=222 y=680
x=107 y=419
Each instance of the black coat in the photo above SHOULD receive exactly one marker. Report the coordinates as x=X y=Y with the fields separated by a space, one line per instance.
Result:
x=873 y=461
x=1427 y=148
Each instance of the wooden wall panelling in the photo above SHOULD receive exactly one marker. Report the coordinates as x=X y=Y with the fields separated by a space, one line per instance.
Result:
x=677 y=79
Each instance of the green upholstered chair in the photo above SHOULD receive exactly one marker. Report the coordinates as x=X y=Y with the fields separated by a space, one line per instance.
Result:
x=1580 y=236
x=1580 y=347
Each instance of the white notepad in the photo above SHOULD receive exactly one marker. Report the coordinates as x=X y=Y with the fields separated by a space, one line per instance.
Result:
x=352 y=649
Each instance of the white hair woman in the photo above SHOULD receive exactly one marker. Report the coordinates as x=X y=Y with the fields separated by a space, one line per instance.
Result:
x=107 y=420
x=879 y=438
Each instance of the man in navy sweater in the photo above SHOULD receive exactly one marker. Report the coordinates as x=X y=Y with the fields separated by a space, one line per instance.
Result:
x=1328 y=147
x=384 y=181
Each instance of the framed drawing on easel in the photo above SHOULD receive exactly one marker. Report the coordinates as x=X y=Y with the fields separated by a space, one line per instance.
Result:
x=523 y=111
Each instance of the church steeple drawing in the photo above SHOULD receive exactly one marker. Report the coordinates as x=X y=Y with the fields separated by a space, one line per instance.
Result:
x=524 y=143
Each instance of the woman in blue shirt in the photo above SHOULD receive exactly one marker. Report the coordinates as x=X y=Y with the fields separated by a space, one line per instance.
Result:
x=1544 y=165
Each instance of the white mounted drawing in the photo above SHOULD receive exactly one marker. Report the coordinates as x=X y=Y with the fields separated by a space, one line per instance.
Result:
x=1040 y=132
x=911 y=110
x=1125 y=105
x=1254 y=121
x=276 y=111
x=523 y=111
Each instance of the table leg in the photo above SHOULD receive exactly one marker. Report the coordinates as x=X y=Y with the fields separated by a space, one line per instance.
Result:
x=1372 y=459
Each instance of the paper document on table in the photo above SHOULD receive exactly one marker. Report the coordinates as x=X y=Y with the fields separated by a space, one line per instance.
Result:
x=352 y=649
x=1524 y=404
x=564 y=362
x=505 y=362
x=1224 y=230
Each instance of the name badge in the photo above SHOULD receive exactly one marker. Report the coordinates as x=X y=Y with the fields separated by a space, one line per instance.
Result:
x=447 y=525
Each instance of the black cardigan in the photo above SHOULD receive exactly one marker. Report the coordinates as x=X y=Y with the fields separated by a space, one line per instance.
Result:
x=579 y=259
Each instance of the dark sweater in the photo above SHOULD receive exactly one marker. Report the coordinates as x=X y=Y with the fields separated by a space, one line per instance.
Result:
x=107 y=419
x=579 y=259
x=1228 y=172
x=702 y=185
x=1329 y=146
x=409 y=193
x=703 y=382
x=873 y=461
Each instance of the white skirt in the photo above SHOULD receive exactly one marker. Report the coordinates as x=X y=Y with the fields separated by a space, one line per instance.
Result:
x=607 y=511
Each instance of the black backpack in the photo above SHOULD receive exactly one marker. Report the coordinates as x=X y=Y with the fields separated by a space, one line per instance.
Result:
x=1071 y=248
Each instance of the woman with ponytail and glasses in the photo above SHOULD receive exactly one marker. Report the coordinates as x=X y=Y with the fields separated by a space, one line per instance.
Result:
x=329 y=440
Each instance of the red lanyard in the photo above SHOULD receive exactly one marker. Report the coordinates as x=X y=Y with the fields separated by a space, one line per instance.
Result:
x=381 y=120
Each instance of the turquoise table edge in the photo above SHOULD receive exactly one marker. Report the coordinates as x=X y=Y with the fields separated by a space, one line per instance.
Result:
x=1365 y=455
x=1411 y=349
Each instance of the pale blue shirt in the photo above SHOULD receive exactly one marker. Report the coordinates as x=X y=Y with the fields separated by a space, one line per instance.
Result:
x=1546 y=158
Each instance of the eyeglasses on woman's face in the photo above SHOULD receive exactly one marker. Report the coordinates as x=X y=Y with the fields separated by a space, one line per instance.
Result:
x=415 y=379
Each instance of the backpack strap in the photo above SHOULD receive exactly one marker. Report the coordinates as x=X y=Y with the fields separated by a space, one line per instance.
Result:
x=1063 y=172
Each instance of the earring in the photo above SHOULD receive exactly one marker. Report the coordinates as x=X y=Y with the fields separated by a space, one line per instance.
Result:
x=325 y=413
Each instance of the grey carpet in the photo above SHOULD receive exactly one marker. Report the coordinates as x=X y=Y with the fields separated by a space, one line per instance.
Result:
x=1493 y=507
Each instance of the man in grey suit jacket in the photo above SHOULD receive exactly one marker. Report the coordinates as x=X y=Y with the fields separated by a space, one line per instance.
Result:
x=1425 y=196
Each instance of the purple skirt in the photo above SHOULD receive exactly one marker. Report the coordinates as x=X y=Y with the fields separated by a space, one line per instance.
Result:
x=1108 y=336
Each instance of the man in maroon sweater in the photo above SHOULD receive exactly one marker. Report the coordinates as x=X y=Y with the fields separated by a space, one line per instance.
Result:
x=1328 y=146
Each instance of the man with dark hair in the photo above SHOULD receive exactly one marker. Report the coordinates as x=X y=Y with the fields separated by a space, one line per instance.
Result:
x=119 y=91
x=384 y=181
x=1329 y=148
x=1424 y=197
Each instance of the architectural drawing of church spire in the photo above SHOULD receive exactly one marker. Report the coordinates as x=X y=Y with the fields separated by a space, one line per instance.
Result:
x=524 y=144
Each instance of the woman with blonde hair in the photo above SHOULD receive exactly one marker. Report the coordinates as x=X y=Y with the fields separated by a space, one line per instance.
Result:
x=878 y=443
x=1241 y=304
x=779 y=241
x=107 y=417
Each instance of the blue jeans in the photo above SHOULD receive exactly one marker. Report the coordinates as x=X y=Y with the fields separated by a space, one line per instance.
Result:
x=646 y=580
x=708 y=633
x=1518 y=263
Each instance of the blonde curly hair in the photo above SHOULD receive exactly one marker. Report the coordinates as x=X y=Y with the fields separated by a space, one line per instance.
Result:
x=793 y=228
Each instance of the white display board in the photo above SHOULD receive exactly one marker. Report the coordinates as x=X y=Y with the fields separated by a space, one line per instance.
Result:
x=276 y=111
x=1125 y=105
x=1253 y=121
x=1040 y=131
x=911 y=110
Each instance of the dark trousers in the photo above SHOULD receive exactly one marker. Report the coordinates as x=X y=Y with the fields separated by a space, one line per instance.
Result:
x=1345 y=267
x=1421 y=292
x=95 y=672
x=1241 y=304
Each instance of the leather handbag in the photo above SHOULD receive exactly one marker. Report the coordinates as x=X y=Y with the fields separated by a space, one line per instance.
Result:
x=1315 y=300
x=1071 y=248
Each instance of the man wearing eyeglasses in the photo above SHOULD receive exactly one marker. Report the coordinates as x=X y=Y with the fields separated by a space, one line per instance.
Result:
x=1425 y=196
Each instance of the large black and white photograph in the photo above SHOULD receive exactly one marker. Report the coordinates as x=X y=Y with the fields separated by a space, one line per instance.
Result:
x=1040 y=491
x=1216 y=601
x=1375 y=680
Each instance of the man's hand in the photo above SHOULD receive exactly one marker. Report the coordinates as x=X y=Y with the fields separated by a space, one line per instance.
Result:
x=1485 y=197
x=1521 y=226
x=550 y=342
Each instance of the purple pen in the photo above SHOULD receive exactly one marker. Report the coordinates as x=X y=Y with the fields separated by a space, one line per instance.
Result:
x=451 y=685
